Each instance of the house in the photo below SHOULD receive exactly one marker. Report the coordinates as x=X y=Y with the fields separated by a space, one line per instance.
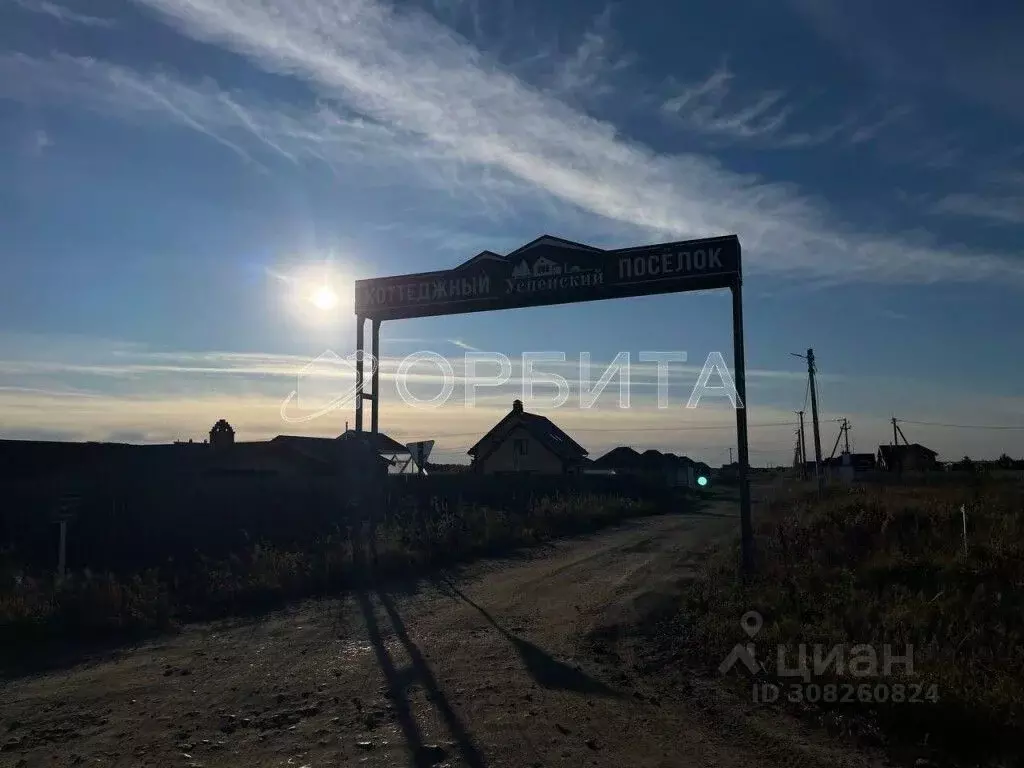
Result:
x=906 y=458
x=861 y=462
x=665 y=469
x=134 y=506
x=49 y=470
x=397 y=455
x=622 y=460
x=527 y=442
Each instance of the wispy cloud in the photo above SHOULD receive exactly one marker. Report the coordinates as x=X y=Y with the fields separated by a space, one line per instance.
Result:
x=62 y=14
x=892 y=314
x=589 y=71
x=910 y=49
x=410 y=73
x=140 y=362
x=39 y=142
x=97 y=389
x=321 y=134
x=403 y=92
x=161 y=418
x=702 y=106
x=766 y=118
x=992 y=208
x=463 y=345
x=701 y=433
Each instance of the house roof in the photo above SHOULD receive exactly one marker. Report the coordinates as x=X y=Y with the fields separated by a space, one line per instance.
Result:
x=378 y=440
x=624 y=457
x=895 y=451
x=540 y=427
x=67 y=465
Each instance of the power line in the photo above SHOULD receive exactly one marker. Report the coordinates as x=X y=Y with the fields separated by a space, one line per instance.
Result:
x=642 y=429
x=957 y=426
x=682 y=429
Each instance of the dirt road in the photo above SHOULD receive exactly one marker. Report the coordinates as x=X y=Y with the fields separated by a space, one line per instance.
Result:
x=492 y=667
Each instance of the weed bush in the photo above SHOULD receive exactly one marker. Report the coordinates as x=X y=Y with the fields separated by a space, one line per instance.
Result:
x=35 y=613
x=887 y=566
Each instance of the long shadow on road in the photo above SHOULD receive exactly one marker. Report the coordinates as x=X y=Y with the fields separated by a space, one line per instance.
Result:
x=399 y=681
x=545 y=670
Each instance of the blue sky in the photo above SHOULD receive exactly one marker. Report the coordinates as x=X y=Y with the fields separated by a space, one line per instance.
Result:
x=181 y=175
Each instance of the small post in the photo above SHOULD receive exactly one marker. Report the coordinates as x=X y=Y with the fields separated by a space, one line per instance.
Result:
x=963 y=515
x=62 y=551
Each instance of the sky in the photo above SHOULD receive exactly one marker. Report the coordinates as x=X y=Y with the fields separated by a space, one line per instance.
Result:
x=192 y=186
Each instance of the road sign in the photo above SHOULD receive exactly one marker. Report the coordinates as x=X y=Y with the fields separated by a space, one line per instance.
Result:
x=550 y=270
x=420 y=451
x=66 y=508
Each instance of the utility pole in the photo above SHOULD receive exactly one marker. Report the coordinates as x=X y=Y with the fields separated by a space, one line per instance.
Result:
x=846 y=434
x=814 y=405
x=730 y=456
x=814 y=418
x=803 y=447
x=839 y=436
x=809 y=357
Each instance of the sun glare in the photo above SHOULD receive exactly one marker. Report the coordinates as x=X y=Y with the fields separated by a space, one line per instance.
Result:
x=324 y=298
x=316 y=293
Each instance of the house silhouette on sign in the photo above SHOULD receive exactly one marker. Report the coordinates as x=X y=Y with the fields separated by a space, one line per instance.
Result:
x=544 y=266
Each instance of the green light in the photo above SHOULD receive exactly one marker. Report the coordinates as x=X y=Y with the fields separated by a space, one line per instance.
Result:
x=702 y=481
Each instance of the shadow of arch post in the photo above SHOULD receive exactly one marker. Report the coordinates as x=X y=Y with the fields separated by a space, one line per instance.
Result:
x=550 y=270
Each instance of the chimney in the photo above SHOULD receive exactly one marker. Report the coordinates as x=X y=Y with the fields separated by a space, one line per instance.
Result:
x=517 y=406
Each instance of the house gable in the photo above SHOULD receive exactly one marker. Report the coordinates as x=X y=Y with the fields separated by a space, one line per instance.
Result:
x=539 y=428
x=521 y=451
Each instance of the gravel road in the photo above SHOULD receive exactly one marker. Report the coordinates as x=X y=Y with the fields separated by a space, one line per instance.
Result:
x=494 y=666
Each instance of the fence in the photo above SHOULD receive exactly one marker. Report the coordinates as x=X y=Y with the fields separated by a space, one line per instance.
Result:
x=138 y=524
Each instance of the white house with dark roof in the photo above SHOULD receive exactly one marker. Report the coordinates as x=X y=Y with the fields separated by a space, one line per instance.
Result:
x=528 y=443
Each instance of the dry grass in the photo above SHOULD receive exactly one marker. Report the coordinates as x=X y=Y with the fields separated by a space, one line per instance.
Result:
x=35 y=612
x=887 y=566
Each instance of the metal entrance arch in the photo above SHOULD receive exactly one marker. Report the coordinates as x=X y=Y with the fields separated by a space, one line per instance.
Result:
x=551 y=270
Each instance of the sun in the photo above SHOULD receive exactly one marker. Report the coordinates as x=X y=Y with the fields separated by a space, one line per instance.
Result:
x=324 y=298
x=316 y=293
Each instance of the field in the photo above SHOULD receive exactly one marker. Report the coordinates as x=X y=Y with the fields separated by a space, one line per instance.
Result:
x=100 y=605
x=886 y=567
